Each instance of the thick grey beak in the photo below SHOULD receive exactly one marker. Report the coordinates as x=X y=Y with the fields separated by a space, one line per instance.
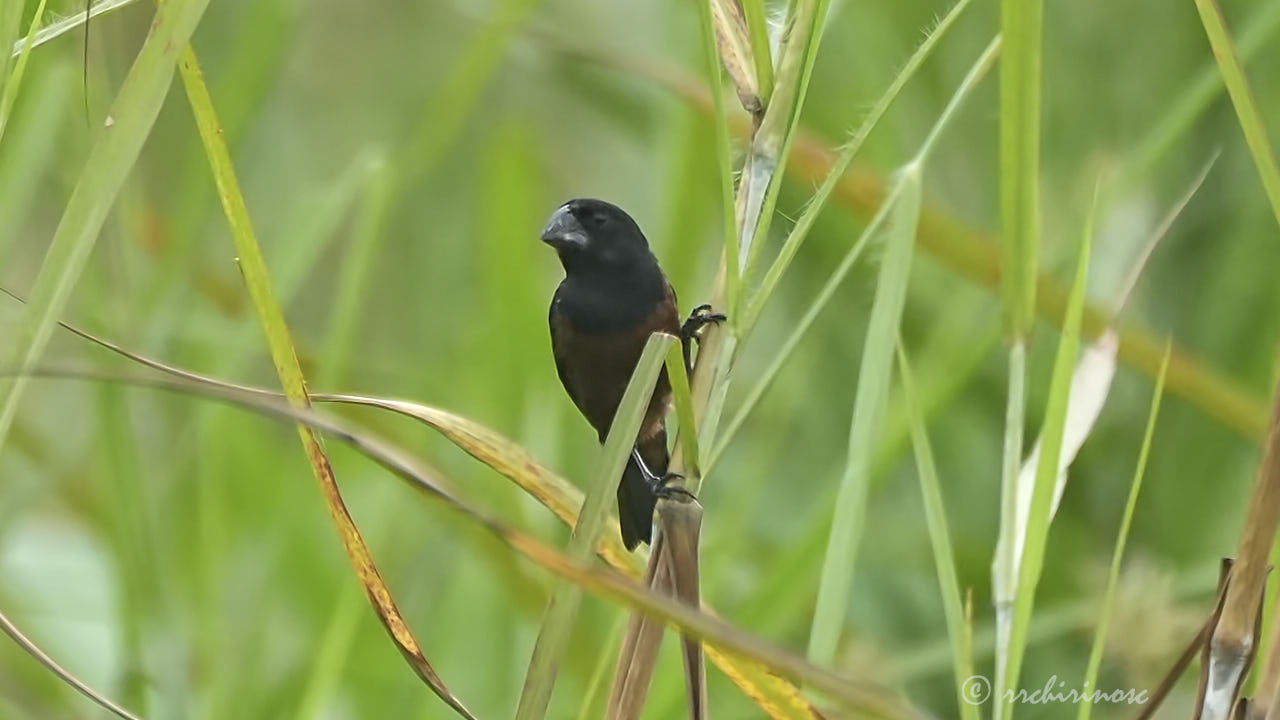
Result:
x=564 y=231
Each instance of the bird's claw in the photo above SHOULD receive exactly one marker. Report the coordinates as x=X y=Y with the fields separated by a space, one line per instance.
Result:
x=663 y=488
x=700 y=317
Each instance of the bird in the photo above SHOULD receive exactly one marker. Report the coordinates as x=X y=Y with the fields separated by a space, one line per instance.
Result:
x=613 y=296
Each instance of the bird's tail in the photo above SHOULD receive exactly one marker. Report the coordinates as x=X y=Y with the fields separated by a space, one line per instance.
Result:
x=636 y=499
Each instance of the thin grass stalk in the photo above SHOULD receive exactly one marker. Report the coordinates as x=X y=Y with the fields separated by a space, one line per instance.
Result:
x=557 y=622
x=859 y=697
x=29 y=647
x=257 y=280
x=874 y=376
x=872 y=396
x=356 y=273
x=14 y=82
x=39 y=125
x=1250 y=119
x=976 y=256
x=64 y=25
x=732 y=242
x=709 y=387
x=672 y=568
x=680 y=526
x=846 y=263
x=1090 y=385
x=1264 y=705
x=133 y=112
x=736 y=52
x=798 y=332
x=779 y=698
x=771 y=142
x=686 y=447
x=681 y=522
x=1004 y=569
x=638 y=655
x=836 y=173
x=331 y=654
x=1117 y=555
x=1260 y=28
x=593 y=697
x=1032 y=562
x=10 y=28
x=1021 y=22
x=939 y=540
x=1233 y=643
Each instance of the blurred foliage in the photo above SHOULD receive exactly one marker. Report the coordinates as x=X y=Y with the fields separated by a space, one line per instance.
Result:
x=398 y=161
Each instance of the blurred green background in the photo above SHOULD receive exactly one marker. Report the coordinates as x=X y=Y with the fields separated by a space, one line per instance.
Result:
x=399 y=160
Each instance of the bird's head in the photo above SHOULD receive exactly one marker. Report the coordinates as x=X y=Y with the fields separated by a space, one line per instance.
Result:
x=595 y=236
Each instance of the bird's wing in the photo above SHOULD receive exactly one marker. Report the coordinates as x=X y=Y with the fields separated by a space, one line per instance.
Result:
x=556 y=321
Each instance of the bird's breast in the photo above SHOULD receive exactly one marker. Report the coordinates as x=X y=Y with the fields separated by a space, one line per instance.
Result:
x=597 y=365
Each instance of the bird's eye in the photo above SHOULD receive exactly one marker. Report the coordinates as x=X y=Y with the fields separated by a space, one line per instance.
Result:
x=599 y=220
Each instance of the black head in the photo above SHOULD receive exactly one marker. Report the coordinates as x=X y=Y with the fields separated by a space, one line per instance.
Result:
x=596 y=236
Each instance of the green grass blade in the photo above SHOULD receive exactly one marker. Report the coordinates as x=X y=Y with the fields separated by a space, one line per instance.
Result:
x=1113 y=576
x=975 y=74
x=1047 y=471
x=557 y=623
x=331 y=654
x=939 y=538
x=761 y=51
x=1021 y=29
x=133 y=113
x=771 y=143
x=253 y=269
x=15 y=80
x=64 y=25
x=687 y=445
x=1200 y=91
x=596 y=693
x=975 y=256
x=357 y=267
x=734 y=48
x=1004 y=568
x=33 y=146
x=801 y=328
x=724 y=161
x=10 y=27
x=1020 y=159
x=872 y=395
x=778 y=697
x=816 y=204
x=1255 y=130
x=865 y=699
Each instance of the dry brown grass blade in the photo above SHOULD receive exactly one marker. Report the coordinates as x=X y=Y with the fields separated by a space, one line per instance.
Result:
x=775 y=695
x=639 y=652
x=41 y=657
x=253 y=269
x=861 y=699
x=1264 y=702
x=1197 y=643
x=779 y=698
x=1234 y=642
x=681 y=523
x=735 y=52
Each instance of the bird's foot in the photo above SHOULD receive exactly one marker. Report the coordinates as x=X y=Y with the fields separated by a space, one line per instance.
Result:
x=699 y=318
x=664 y=488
